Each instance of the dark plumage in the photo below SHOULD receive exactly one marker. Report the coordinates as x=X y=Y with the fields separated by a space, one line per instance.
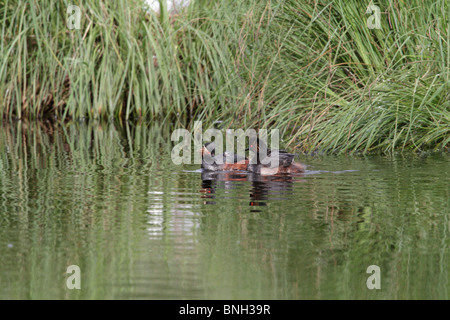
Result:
x=286 y=163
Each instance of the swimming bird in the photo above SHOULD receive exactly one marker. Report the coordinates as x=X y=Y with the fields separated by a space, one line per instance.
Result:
x=228 y=161
x=286 y=163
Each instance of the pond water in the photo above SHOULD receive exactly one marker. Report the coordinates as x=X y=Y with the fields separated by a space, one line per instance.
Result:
x=110 y=201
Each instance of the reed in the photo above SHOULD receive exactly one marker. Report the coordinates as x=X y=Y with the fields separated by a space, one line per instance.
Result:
x=312 y=69
x=338 y=85
x=124 y=62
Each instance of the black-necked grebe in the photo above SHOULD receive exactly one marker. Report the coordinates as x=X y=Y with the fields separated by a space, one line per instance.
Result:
x=286 y=163
x=211 y=162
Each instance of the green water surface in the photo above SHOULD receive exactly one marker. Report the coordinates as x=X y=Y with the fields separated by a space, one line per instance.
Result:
x=111 y=201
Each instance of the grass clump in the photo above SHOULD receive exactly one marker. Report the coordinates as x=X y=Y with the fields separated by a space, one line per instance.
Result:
x=124 y=63
x=312 y=69
x=338 y=85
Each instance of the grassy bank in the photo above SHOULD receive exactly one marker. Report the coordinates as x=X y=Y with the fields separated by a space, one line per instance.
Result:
x=356 y=89
x=123 y=63
x=310 y=68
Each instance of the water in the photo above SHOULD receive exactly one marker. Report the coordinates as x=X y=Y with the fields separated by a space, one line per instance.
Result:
x=110 y=201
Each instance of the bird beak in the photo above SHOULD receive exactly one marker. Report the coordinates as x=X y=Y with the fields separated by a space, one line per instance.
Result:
x=204 y=151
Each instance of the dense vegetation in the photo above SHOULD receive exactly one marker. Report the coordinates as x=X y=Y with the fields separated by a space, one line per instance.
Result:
x=312 y=69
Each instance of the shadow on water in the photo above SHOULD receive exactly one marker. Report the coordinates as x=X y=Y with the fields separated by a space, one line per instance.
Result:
x=109 y=199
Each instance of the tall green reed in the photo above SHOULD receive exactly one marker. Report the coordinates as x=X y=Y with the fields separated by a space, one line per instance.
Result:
x=123 y=63
x=312 y=69
x=337 y=85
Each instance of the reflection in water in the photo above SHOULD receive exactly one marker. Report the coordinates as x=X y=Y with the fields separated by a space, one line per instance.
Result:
x=262 y=187
x=109 y=199
x=211 y=181
x=156 y=215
